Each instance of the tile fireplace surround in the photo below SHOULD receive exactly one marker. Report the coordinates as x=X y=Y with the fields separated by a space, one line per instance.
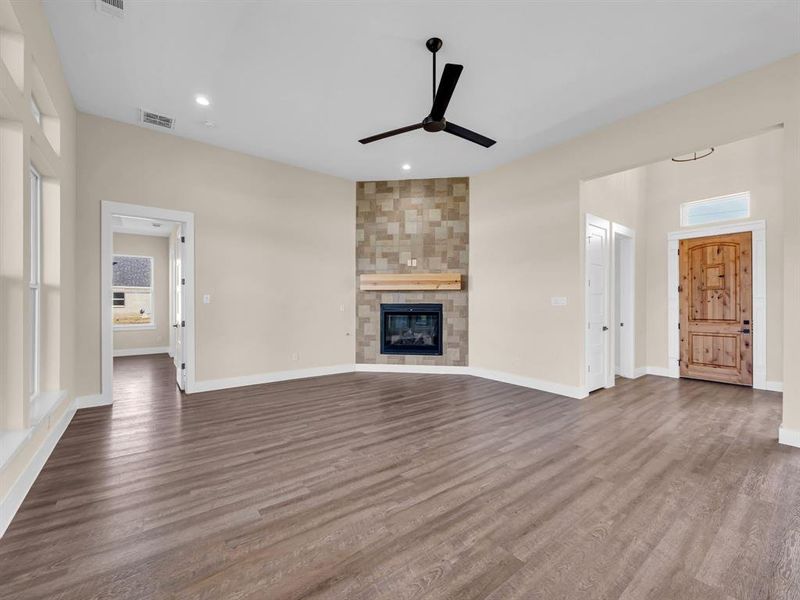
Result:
x=426 y=220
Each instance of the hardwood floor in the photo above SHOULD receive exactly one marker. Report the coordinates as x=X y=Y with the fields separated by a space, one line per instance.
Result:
x=365 y=486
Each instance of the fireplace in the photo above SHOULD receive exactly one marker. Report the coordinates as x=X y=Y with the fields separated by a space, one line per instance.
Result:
x=411 y=329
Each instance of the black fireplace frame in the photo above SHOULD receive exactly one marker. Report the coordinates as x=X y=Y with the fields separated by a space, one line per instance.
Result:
x=394 y=309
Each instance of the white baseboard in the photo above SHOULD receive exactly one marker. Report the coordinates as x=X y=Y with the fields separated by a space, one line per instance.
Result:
x=141 y=351
x=20 y=488
x=790 y=437
x=432 y=369
x=92 y=401
x=529 y=382
x=774 y=386
x=659 y=371
x=232 y=382
x=639 y=372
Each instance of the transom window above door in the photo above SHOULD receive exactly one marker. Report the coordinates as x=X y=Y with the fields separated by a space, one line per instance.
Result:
x=716 y=210
x=132 y=292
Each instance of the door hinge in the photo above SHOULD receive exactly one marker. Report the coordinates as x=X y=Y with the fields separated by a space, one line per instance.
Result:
x=183 y=280
x=679 y=325
x=589 y=368
x=183 y=323
x=183 y=239
x=183 y=365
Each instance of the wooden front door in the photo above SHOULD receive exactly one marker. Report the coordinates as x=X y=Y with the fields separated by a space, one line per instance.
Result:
x=716 y=308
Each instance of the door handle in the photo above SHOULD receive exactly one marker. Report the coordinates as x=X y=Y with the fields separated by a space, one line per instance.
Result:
x=744 y=330
x=175 y=325
x=605 y=328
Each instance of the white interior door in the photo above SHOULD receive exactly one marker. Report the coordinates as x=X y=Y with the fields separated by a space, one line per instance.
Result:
x=596 y=303
x=180 y=310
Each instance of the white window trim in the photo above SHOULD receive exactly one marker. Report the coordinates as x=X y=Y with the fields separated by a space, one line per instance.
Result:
x=686 y=205
x=35 y=294
x=144 y=326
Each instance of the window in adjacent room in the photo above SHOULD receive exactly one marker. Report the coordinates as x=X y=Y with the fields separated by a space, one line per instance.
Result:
x=37 y=113
x=714 y=210
x=35 y=279
x=132 y=289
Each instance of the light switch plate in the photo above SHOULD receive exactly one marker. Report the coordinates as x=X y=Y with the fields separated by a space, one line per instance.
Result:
x=558 y=301
x=206 y=298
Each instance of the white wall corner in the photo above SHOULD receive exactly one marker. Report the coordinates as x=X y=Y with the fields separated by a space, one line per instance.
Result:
x=639 y=372
x=92 y=401
x=774 y=386
x=19 y=489
x=789 y=437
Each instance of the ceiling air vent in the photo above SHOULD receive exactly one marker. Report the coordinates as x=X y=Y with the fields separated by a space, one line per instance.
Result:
x=115 y=8
x=151 y=118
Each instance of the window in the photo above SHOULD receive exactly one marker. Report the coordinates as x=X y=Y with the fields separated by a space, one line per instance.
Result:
x=37 y=114
x=35 y=279
x=132 y=288
x=713 y=210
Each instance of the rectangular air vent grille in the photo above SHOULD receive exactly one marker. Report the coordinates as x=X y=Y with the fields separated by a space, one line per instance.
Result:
x=111 y=7
x=151 y=118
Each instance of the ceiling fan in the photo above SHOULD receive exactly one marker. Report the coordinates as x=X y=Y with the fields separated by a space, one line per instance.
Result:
x=435 y=121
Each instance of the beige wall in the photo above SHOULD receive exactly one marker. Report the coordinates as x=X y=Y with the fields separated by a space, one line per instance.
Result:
x=526 y=229
x=50 y=147
x=274 y=247
x=158 y=248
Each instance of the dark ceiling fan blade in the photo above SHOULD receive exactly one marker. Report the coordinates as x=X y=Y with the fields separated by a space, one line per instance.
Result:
x=469 y=135
x=386 y=134
x=447 y=84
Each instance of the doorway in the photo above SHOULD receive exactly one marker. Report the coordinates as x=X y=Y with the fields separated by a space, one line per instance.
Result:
x=716 y=299
x=180 y=288
x=713 y=343
x=624 y=322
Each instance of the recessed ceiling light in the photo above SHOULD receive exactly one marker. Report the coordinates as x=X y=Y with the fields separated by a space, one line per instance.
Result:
x=156 y=224
x=406 y=167
x=202 y=100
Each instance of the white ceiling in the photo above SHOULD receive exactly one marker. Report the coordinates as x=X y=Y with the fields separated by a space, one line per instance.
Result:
x=300 y=82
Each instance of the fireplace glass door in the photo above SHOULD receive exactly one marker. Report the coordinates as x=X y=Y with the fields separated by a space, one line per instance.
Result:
x=411 y=329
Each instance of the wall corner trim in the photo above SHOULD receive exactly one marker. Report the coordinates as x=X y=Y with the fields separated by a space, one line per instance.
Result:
x=91 y=401
x=789 y=437
x=10 y=504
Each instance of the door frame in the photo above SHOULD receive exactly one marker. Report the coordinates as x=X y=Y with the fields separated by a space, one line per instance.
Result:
x=608 y=366
x=627 y=359
x=759 y=273
x=107 y=210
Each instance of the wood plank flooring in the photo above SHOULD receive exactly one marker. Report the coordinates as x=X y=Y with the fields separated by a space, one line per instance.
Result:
x=370 y=486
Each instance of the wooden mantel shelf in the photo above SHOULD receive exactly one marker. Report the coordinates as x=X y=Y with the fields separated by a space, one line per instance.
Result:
x=410 y=281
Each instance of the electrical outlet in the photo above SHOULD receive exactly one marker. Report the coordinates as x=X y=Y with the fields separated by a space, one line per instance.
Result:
x=206 y=298
x=295 y=356
x=558 y=301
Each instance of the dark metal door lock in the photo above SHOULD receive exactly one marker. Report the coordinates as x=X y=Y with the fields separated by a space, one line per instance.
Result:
x=746 y=330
